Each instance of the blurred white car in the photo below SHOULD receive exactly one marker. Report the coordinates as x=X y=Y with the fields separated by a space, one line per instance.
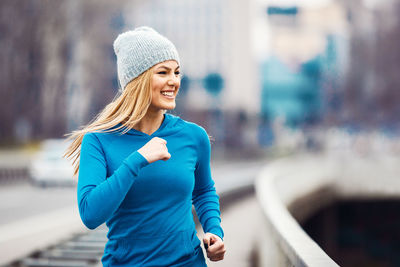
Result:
x=49 y=168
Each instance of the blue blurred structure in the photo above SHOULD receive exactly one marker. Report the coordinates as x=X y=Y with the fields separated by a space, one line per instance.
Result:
x=294 y=95
x=302 y=96
x=213 y=83
x=276 y=10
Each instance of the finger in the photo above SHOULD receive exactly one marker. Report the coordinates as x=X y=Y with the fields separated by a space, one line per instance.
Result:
x=205 y=245
x=214 y=238
x=207 y=238
x=166 y=157
x=217 y=258
x=214 y=248
x=158 y=140
x=216 y=254
x=163 y=147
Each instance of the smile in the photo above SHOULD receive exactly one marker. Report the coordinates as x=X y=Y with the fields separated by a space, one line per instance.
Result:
x=169 y=94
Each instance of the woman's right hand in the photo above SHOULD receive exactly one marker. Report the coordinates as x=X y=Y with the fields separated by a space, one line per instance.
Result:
x=154 y=150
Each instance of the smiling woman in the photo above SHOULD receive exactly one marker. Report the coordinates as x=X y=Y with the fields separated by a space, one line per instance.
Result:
x=165 y=82
x=141 y=169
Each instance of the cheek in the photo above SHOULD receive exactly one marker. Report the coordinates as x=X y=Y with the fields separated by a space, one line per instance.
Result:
x=155 y=89
x=157 y=84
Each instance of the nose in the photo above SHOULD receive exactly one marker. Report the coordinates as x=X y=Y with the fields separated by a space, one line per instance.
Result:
x=174 y=80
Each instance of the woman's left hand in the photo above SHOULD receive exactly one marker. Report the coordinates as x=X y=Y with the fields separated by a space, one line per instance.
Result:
x=214 y=246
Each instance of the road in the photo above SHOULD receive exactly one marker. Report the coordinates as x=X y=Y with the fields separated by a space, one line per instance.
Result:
x=21 y=201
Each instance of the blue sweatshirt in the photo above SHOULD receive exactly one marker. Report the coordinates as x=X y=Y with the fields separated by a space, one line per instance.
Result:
x=147 y=207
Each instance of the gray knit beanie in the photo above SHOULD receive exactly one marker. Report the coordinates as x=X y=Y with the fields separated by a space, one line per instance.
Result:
x=139 y=50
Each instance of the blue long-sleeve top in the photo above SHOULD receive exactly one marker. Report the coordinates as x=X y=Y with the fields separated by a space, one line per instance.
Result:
x=147 y=207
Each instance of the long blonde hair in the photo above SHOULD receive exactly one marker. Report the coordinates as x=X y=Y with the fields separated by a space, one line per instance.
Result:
x=126 y=109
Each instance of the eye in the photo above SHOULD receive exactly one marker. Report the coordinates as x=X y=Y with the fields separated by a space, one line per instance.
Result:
x=177 y=72
x=162 y=72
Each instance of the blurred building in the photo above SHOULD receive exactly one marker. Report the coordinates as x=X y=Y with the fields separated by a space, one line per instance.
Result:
x=302 y=77
x=220 y=88
x=331 y=63
x=372 y=98
x=212 y=37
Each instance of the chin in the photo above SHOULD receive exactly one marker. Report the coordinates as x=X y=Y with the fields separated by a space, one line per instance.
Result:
x=163 y=105
x=170 y=107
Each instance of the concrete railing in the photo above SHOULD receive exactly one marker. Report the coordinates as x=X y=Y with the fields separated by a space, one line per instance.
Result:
x=297 y=187
x=13 y=166
x=13 y=175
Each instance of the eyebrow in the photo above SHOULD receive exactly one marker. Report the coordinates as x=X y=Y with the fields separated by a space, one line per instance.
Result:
x=165 y=67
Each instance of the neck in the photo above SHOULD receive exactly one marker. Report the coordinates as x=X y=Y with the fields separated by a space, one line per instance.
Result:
x=150 y=122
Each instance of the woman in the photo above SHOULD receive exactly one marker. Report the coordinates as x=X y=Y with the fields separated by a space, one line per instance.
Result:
x=140 y=169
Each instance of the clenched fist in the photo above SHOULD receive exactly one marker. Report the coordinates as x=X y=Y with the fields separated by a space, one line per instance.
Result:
x=154 y=150
x=214 y=246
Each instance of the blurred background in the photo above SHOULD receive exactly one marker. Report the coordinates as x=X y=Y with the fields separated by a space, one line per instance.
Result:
x=266 y=78
x=250 y=67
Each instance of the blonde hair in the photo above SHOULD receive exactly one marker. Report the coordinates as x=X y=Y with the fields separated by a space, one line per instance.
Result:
x=126 y=109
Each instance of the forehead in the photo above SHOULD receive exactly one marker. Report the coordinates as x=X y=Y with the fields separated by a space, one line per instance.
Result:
x=171 y=64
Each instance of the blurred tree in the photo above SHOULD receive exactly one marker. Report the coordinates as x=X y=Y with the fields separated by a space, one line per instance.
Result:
x=387 y=64
x=33 y=51
x=21 y=66
x=372 y=93
x=55 y=57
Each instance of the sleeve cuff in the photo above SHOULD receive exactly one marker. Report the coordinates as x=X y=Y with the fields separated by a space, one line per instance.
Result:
x=214 y=227
x=217 y=231
x=135 y=162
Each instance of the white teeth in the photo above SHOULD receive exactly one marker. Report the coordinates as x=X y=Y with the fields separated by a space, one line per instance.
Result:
x=168 y=93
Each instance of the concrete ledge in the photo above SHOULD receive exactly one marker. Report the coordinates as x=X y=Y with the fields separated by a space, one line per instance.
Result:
x=296 y=248
x=292 y=189
x=20 y=239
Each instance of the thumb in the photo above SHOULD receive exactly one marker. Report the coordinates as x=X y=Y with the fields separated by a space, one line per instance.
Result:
x=206 y=241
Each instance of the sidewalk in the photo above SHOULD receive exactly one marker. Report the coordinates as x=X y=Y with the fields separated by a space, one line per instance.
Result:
x=240 y=223
x=34 y=218
x=19 y=239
